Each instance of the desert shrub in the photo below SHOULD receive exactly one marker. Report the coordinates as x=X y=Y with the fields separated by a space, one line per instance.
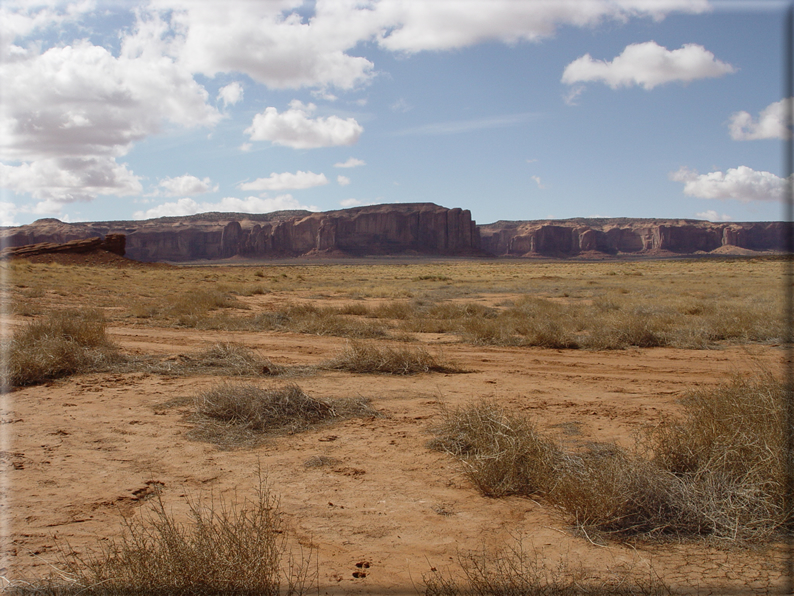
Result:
x=233 y=359
x=249 y=406
x=361 y=357
x=199 y=302
x=489 y=332
x=730 y=447
x=354 y=308
x=310 y=319
x=518 y=570
x=502 y=454
x=223 y=549
x=60 y=344
x=719 y=471
x=455 y=310
x=609 y=490
x=401 y=310
x=242 y=414
x=623 y=329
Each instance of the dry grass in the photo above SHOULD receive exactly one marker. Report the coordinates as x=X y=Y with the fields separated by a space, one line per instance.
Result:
x=60 y=344
x=242 y=414
x=518 y=570
x=502 y=454
x=718 y=472
x=229 y=359
x=224 y=549
x=609 y=305
x=370 y=358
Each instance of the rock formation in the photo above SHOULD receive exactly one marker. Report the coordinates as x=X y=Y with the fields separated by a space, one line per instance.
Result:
x=575 y=237
x=418 y=228
x=113 y=243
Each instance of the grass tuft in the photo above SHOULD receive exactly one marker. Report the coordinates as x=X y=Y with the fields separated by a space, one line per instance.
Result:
x=60 y=344
x=516 y=570
x=242 y=414
x=717 y=472
x=360 y=357
x=223 y=549
x=502 y=454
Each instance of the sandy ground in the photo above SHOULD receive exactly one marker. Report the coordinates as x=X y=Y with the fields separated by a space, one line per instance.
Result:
x=79 y=453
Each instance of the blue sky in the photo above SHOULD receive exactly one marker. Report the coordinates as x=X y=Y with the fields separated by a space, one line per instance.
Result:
x=514 y=109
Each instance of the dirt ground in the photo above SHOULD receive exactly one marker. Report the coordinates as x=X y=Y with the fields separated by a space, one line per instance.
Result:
x=80 y=453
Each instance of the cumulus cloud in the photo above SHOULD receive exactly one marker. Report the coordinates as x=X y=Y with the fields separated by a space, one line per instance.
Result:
x=188 y=206
x=276 y=46
x=350 y=163
x=230 y=94
x=70 y=111
x=343 y=180
x=647 y=65
x=712 y=215
x=186 y=185
x=66 y=180
x=271 y=43
x=771 y=123
x=743 y=184
x=287 y=180
x=294 y=128
x=409 y=26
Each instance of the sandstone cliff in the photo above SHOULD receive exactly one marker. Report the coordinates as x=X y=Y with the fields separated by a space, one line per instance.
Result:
x=418 y=228
x=113 y=243
x=573 y=237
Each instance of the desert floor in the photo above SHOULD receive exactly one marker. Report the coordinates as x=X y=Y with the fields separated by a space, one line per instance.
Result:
x=80 y=453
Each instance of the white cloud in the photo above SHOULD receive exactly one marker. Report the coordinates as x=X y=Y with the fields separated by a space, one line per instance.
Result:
x=8 y=213
x=343 y=180
x=712 y=215
x=287 y=180
x=294 y=128
x=771 y=123
x=231 y=94
x=272 y=44
x=66 y=180
x=647 y=65
x=350 y=163
x=410 y=26
x=70 y=111
x=401 y=106
x=245 y=147
x=571 y=98
x=743 y=184
x=537 y=181
x=226 y=205
x=276 y=46
x=352 y=203
x=187 y=185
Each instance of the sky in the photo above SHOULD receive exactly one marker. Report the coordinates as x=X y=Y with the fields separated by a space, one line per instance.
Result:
x=513 y=109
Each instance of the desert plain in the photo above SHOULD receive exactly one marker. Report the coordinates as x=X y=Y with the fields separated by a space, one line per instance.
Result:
x=367 y=496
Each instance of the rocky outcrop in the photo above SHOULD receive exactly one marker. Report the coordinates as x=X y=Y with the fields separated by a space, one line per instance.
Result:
x=574 y=237
x=113 y=243
x=418 y=228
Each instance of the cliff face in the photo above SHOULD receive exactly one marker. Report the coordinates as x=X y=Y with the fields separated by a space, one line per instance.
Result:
x=621 y=235
x=419 y=228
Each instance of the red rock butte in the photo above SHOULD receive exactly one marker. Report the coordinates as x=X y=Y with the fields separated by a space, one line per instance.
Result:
x=402 y=229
